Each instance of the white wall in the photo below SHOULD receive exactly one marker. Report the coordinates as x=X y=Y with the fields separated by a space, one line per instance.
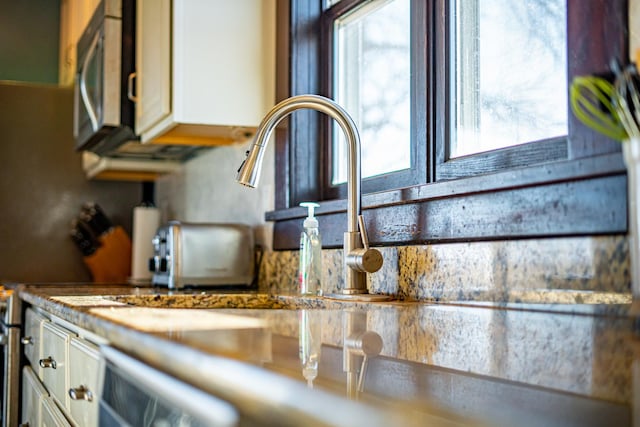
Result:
x=205 y=190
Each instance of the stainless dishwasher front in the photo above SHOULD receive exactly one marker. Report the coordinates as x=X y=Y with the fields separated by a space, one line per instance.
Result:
x=134 y=394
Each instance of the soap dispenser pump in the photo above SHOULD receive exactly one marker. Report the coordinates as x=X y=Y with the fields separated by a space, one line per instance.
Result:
x=310 y=271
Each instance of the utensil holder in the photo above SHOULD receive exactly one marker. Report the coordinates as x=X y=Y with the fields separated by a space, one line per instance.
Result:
x=111 y=262
x=631 y=155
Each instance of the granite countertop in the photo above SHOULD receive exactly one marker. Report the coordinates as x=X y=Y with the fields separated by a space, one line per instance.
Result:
x=452 y=364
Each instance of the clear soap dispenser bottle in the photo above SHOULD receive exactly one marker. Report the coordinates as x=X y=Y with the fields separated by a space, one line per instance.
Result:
x=310 y=271
x=310 y=343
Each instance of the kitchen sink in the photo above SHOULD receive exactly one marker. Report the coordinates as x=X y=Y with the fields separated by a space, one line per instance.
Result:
x=156 y=319
x=213 y=299
x=162 y=312
x=225 y=301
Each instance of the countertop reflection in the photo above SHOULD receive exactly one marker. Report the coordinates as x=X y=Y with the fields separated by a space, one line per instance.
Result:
x=496 y=365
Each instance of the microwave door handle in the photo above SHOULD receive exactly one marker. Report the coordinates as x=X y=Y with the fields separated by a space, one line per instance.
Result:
x=130 y=94
x=76 y=108
x=91 y=110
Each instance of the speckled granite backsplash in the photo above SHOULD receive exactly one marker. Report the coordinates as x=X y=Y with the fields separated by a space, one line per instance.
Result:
x=487 y=271
x=205 y=191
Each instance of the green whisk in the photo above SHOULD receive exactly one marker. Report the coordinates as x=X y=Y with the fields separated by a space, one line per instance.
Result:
x=592 y=101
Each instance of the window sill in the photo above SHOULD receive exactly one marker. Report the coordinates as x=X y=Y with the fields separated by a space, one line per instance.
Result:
x=577 y=197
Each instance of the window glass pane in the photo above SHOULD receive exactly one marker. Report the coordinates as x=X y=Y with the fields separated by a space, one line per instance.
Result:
x=510 y=82
x=372 y=82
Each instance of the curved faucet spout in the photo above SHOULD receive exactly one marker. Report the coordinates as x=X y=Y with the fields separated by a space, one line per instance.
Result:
x=359 y=259
x=249 y=172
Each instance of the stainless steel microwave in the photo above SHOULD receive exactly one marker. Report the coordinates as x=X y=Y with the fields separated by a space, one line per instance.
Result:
x=103 y=114
x=104 y=111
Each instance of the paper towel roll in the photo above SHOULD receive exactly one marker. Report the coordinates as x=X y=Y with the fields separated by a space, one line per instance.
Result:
x=146 y=221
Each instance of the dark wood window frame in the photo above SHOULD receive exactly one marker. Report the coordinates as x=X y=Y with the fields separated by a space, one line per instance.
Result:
x=570 y=186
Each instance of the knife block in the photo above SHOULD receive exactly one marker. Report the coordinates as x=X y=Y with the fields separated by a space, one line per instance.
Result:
x=111 y=262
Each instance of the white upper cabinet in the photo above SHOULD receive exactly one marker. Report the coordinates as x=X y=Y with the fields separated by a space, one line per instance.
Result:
x=204 y=69
x=153 y=64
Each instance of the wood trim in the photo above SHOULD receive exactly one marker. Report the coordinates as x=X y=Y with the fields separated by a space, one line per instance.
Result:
x=592 y=53
x=506 y=158
x=439 y=79
x=577 y=197
x=283 y=65
x=584 y=207
x=304 y=160
x=283 y=45
x=583 y=194
x=538 y=175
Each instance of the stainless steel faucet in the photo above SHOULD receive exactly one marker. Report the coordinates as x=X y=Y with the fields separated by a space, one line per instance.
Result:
x=357 y=342
x=359 y=258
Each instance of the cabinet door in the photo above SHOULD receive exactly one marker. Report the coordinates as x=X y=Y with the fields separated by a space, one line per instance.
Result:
x=153 y=63
x=220 y=72
x=31 y=339
x=55 y=360
x=32 y=395
x=51 y=414
x=84 y=368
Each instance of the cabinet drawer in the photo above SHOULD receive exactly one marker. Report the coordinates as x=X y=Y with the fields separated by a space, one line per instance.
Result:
x=32 y=341
x=51 y=414
x=55 y=360
x=84 y=365
x=33 y=394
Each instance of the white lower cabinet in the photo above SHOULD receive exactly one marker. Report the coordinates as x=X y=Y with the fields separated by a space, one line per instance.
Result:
x=38 y=409
x=51 y=414
x=31 y=339
x=54 y=361
x=33 y=393
x=84 y=366
x=60 y=387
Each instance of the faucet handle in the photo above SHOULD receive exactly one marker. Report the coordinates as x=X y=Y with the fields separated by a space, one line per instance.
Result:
x=246 y=156
x=365 y=259
x=363 y=232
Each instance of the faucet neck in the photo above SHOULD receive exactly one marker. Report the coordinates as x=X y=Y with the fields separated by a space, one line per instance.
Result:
x=250 y=170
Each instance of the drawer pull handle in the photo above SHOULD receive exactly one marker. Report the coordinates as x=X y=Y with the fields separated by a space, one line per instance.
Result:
x=27 y=340
x=48 y=363
x=81 y=393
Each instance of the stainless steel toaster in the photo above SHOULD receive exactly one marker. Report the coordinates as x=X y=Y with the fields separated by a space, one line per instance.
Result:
x=202 y=254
